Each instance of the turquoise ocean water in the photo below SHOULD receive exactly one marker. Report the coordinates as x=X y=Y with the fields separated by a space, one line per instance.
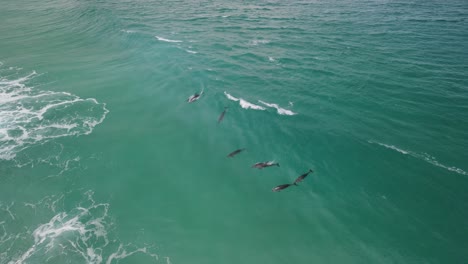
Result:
x=102 y=160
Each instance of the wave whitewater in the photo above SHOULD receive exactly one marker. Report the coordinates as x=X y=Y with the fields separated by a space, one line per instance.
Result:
x=243 y=103
x=424 y=156
x=80 y=233
x=247 y=105
x=280 y=110
x=167 y=40
x=29 y=115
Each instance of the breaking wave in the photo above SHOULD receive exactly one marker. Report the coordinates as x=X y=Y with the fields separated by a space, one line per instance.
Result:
x=247 y=105
x=243 y=103
x=280 y=110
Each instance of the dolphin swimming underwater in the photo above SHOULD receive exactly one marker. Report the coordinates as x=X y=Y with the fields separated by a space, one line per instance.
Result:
x=301 y=178
x=235 y=152
x=221 y=117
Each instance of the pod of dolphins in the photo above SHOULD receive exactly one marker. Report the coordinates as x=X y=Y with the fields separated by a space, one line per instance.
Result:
x=258 y=165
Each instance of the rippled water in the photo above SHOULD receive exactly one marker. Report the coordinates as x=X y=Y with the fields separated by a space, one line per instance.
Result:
x=102 y=160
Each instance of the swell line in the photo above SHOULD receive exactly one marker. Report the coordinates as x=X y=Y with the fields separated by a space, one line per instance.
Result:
x=422 y=156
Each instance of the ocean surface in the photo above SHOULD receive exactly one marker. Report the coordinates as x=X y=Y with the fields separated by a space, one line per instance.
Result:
x=102 y=160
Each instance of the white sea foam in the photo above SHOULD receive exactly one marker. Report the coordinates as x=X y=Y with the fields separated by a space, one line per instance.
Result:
x=7 y=208
x=280 y=110
x=390 y=147
x=247 y=105
x=191 y=51
x=167 y=40
x=243 y=103
x=128 y=31
x=29 y=116
x=82 y=232
x=122 y=253
x=255 y=42
x=422 y=156
x=230 y=97
x=271 y=59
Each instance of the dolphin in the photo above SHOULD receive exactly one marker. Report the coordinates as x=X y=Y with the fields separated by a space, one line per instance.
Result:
x=281 y=187
x=301 y=178
x=221 y=117
x=194 y=97
x=235 y=152
x=261 y=165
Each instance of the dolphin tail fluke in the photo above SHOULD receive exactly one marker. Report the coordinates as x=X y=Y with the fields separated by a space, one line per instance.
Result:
x=277 y=164
x=310 y=170
x=295 y=184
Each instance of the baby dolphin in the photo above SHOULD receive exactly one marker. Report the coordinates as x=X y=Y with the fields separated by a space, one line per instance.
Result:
x=222 y=115
x=301 y=178
x=261 y=165
x=281 y=187
x=194 y=97
x=235 y=152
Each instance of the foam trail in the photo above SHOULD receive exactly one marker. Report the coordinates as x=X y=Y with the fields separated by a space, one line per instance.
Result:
x=191 y=51
x=66 y=225
x=167 y=40
x=280 y=110
x=243 y=103
x=29 y=116
x=122 y=253
x=426 y=157
x=390 y=147
x=78 y=233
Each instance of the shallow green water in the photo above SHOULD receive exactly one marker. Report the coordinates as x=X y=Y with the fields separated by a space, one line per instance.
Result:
x=102 y=160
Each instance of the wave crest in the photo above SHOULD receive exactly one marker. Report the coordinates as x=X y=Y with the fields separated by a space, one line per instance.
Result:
x=243 y=103
x=280 y=110
x=422 y=156
x=167 y=40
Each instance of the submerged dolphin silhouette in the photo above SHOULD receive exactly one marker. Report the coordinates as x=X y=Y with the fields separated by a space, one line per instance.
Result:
x=235 y=152
x=221 y=117
x=301 y=178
